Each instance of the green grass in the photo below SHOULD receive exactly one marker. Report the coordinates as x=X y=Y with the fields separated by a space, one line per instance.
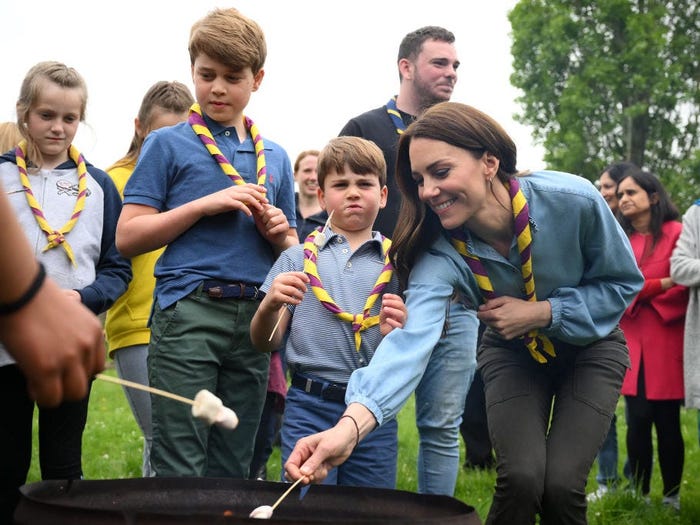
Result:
x=112 y=449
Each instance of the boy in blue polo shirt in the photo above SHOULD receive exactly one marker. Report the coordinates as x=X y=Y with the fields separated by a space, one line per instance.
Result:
x=222 y=200
x=336 y=294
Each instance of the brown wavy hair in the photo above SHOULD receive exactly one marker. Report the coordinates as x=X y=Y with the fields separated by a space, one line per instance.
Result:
x=461 y=126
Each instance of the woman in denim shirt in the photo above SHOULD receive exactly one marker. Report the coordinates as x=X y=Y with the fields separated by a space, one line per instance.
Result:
x=550 y=272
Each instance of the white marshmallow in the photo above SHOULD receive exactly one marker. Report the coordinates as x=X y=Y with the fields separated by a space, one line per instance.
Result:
x=264 y=512
x=226 y=418
x=211 y=409
x=206 y=406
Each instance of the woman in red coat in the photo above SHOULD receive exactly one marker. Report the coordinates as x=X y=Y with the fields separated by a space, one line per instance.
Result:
x=653 y=325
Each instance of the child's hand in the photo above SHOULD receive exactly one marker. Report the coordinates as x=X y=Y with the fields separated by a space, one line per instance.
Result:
x=393 y=313
x=287 y=288
x=247 y=198
x=271 y=223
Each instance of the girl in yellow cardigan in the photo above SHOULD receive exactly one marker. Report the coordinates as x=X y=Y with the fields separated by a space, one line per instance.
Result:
x=126 y=325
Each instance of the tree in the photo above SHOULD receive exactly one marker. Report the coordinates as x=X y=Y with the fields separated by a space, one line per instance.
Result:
x=609 y=80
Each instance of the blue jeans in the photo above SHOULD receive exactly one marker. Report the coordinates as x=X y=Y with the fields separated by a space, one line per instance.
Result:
x=440 y=397
x=131 y=364
x=547 y=422
x=372 y=464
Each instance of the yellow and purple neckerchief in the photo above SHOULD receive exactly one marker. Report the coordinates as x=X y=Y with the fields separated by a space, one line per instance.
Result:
x=393 y=112
x=536 y=343
x=55 y=237
x=361 y=321
x=199 y=126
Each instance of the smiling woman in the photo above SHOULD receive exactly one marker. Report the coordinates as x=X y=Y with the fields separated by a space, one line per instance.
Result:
x=551 y=293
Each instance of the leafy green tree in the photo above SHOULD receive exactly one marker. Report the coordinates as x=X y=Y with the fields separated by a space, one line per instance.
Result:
x=609 y=80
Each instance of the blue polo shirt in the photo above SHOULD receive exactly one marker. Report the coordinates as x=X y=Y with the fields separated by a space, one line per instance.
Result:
x=319 y=343
x=175 y=168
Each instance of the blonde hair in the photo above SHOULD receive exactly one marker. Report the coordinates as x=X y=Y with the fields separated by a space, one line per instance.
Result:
x=170 y=97
x=360 y=155
x=34 y=81
x=10 y=136
x=229 y=37
x=303 y=155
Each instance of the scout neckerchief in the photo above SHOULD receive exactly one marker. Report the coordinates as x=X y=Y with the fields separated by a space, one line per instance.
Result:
x=361 y=321
x=55 y=237
x=536 y=343
x=393 y=112
x=196 y=120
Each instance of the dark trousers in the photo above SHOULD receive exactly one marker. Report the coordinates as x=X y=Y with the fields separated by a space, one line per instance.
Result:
x=547 y=422
x=204 y=343
x=641 y=414
x=60 y=439
x=474 y=427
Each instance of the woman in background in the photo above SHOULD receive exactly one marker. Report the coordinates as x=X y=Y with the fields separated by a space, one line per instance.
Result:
x=126 y=325
x=607 y=476
x=653 y=326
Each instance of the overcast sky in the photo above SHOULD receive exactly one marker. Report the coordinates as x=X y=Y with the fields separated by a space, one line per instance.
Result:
x=327 y=61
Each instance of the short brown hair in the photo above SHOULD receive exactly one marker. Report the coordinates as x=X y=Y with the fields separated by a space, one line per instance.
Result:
x=360 y=155
x=229 y=37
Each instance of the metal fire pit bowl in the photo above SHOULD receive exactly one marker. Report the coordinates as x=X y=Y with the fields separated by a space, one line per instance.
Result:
x=212 y=501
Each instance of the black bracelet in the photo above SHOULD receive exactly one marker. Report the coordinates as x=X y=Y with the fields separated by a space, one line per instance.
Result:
x=10 y=308
x=357 y=428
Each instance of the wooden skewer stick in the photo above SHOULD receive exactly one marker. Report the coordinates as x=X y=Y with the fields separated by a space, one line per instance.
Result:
x=274 y=506
x=145 y=388
x=328 y=221
x=274 y=328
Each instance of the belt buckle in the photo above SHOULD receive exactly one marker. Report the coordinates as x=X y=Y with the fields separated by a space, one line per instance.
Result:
x=216 y=292
x=333 y=392
x=308 y=385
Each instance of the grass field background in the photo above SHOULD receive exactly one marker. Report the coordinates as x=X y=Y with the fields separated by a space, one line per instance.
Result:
x=112 y=446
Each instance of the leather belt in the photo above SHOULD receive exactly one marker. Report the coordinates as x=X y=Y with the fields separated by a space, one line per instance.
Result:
x=329 y=391
x=230 y=290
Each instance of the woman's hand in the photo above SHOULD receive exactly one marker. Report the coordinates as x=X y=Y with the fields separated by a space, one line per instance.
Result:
x=511 y=317
x=314 y=456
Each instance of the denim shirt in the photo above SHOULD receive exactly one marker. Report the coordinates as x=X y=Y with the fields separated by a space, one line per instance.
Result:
x=582 y=262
